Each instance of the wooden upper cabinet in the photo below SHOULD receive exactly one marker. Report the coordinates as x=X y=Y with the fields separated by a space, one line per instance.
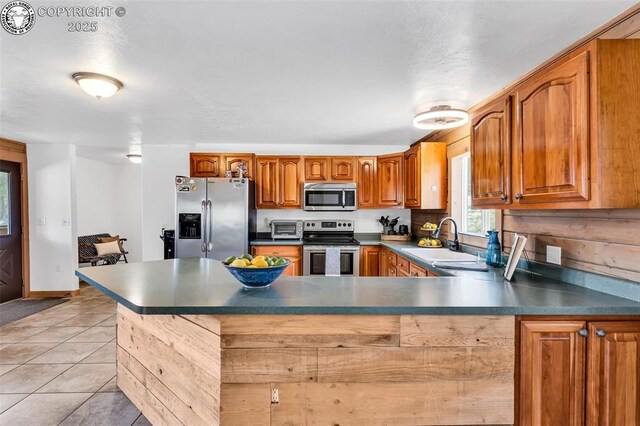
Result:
x=491 y=153
x=366 y=182
x=390 y=181
x=412 y=177
x=551 y=153
x=316 y=169
x=343 y=169
x=204 y=164
x=552 y=373
x=267 y=183
x=574 y=124
x=233 y=161
x=327 y=169
x=290 y=182
x=425 y=176
x=613 y=388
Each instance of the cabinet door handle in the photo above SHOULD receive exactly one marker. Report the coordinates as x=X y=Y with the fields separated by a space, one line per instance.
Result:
x=601 y=333
x=504 y=197
x=583 y=332
x=518 y=196
x=277 y=252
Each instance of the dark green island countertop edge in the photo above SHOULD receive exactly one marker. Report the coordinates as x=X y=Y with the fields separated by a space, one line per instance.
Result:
x=624 y=308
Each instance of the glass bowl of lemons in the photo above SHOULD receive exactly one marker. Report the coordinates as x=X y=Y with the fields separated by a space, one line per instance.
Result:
x=255 y=272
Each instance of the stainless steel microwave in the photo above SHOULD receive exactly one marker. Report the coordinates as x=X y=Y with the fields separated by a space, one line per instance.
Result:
x=329 y=196
x=286 y=229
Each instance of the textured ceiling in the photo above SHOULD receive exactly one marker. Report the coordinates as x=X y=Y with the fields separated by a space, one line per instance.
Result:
x=339 y=72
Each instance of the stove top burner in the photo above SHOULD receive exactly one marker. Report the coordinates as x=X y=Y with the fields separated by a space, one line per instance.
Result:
x=329 y=232
x=330 y=240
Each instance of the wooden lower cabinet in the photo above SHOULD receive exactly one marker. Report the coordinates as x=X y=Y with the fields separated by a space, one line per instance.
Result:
x=370 y=261
x=292 y=253
x=392 y=268
x=613 y=374
x=402 y=265
x=417 y=271
x=552 y=371
x=558 y=387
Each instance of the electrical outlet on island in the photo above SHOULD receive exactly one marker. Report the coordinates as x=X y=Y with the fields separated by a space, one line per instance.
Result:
x=554 y=255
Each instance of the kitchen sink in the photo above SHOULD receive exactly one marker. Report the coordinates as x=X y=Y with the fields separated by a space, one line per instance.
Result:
x=431 y=255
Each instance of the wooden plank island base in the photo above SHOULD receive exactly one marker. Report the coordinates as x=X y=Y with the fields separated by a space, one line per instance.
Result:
x=318 y=369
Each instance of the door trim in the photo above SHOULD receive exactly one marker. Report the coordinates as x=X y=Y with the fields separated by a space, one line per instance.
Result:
x=17 y=152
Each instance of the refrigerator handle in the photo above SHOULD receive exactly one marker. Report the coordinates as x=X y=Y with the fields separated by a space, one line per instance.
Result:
x=208 y=240
x=203 y=245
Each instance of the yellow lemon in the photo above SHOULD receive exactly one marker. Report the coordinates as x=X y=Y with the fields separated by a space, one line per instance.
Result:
x=260 y=263
x=247 y=262
x=252 y=266
x=238 y=263
x=258 y=257
x=435 y=242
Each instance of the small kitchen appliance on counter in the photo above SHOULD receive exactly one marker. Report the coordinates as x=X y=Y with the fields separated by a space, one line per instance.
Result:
x=286 y=229
x=327 y=240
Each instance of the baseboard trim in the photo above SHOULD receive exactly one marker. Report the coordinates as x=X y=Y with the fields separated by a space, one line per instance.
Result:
x=54 y=293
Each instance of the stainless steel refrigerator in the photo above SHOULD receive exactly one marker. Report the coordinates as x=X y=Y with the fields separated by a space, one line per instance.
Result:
x=215 y=217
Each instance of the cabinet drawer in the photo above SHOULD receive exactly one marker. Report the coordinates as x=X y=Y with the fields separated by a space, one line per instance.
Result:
x=391 y=259
x=392 y=272
x=417 y=271
x=402 y=273
x=402 y=265
x=282 y=251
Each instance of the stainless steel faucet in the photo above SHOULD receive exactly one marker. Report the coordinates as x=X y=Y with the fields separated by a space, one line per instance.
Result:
x=455 y=244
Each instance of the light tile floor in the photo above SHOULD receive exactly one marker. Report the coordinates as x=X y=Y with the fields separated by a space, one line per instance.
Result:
x=58 y=367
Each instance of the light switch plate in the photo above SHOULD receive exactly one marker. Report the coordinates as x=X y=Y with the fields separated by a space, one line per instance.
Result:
x=554 y=255
x=42 y=221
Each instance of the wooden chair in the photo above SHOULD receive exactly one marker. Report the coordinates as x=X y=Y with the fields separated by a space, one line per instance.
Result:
x=87 y=251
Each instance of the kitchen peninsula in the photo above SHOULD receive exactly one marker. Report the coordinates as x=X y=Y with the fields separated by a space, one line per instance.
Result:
x=193 y=347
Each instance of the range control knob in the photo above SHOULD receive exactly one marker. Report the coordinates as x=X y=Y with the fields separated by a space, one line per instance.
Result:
x=349 y=225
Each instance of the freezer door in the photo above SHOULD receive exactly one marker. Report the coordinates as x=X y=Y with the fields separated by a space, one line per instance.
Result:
x=228 y=228
x=190 y=230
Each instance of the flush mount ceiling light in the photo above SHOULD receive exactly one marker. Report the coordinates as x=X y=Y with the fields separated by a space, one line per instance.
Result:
x=135 y=158
x=98 y=85
x=441 y=117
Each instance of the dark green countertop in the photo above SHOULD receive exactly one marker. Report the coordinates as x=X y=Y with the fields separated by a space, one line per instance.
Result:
x=203 y=286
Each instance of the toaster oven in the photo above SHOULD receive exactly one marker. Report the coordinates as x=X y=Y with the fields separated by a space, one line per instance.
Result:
x=286 y=229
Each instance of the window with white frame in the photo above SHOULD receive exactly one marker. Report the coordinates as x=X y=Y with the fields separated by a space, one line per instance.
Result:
x=470 y=220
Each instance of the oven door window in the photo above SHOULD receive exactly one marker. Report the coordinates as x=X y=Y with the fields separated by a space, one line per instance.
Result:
x=317 y=263
x=323 y=198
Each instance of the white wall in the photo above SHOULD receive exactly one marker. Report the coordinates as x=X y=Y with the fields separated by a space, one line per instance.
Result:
x=161 y=163
x=365 y=220
x=129 y=218
x=110 y=201
x=52 y=217
x=97 y=203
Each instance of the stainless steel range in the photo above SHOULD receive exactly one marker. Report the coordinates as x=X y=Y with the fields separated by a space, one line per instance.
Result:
x=323 y=239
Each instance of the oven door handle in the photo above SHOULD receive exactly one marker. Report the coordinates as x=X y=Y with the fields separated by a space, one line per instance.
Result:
x=344 y=198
